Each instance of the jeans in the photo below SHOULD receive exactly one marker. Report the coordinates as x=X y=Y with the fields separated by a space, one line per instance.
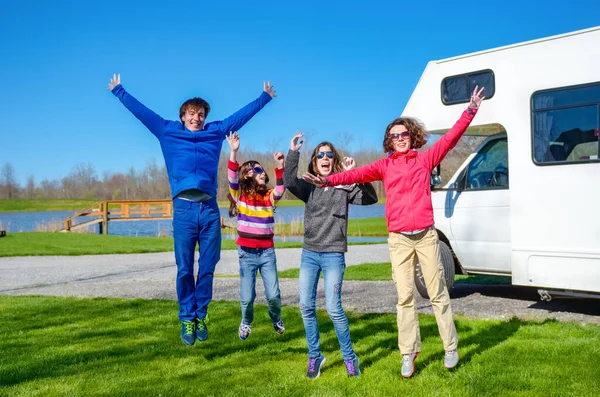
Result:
x=251 y=261
x=332 y=264
x=195 y=222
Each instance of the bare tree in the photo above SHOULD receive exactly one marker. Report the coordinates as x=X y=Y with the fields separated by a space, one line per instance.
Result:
x=9 y=187
x=30 y=188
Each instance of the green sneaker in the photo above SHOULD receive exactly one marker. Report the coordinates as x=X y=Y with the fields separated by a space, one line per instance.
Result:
x=201 y=329
x=451 y=359
x=408 y=364
x=188 y=332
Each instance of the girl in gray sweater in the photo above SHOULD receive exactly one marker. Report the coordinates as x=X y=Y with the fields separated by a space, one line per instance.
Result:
x=325 y=244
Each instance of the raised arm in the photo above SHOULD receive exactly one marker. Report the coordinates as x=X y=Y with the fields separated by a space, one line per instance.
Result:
x=151 y=120
x=299 y=187
x=242 y=116
x=435 y=154
x=366 y=173
x=277 y=192
x=361 y=194
x=232 y=166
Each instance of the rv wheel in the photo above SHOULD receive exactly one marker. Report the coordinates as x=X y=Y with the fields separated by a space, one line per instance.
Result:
x=447 y=262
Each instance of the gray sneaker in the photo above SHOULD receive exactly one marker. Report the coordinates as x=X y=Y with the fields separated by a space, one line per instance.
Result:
x=451 y=359
x=408 y=364
x=314 y=366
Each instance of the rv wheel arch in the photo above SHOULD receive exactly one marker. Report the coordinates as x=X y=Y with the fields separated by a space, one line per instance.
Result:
x=458 y=269
x=448 y=264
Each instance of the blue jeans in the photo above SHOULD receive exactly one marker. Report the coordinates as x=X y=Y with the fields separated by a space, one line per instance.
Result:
x=332 y=264
x=251 y=261
x=193 y=223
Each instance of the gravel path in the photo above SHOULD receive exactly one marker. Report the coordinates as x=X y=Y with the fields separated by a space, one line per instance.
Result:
x=152 y=276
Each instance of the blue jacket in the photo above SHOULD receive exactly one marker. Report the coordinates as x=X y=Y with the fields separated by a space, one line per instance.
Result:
x=192 y=158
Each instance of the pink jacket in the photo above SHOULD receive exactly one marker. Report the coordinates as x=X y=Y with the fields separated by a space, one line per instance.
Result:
x=406 y=179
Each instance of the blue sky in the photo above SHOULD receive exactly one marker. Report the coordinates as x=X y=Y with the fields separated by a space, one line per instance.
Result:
x=338 y=68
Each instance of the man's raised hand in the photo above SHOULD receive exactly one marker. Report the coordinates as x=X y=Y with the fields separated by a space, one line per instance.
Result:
x=269 y=89
x=114 y=81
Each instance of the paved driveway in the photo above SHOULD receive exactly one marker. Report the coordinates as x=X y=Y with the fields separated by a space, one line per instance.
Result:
x=152 y=276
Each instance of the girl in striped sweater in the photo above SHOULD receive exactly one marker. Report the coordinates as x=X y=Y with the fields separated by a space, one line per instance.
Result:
x=254 y=203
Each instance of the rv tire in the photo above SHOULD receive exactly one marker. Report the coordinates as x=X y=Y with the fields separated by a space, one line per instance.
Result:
x=448 y=264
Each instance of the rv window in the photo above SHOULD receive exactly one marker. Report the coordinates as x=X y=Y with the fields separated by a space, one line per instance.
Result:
x=565 y=125
x=458 y=89
x=489 y=168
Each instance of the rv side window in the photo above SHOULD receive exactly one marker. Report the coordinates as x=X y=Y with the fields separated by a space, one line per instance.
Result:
x=458 y=89
x=565 y=124
x=489 y=168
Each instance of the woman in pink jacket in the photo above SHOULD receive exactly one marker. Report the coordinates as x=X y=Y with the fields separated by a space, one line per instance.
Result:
x=409 y=213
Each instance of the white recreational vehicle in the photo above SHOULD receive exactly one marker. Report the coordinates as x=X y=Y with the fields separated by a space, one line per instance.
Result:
x=526 y=202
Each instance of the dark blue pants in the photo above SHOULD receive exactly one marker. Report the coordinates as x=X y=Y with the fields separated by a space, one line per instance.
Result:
x=193 y=223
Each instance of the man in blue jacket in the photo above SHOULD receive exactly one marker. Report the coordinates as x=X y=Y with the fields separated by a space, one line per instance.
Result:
x=191 y=150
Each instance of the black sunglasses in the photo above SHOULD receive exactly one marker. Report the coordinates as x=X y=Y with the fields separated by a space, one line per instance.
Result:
x=257 y=170
x=404 y=134
x=320 y=155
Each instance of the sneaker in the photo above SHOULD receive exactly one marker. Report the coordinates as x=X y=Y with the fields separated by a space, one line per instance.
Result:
x=279 y=327
x=201 y=329
x=352 y=367
x=408 y=364
x=244 y=331
x=314 y=366
x=451 y=359
x=188 y=332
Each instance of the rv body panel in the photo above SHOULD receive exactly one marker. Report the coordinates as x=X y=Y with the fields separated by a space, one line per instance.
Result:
x=544 y=229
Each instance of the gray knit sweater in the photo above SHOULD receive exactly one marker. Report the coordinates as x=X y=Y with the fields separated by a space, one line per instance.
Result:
x=326 y=210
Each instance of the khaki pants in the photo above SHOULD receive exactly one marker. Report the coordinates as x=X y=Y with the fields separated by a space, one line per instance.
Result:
x=404 y=251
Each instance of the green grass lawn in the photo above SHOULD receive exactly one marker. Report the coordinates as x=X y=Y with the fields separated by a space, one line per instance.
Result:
x=114 y=347
x=41 y=243
x=35 y=205
x=383 y=272
x=365 y=227
x=47 y=243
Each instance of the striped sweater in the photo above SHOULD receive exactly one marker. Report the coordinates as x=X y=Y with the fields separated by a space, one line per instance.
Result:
x=255 y=222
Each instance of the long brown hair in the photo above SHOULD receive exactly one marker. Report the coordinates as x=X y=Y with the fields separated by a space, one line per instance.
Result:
x=248 y=185
x=416 y=129
x=337 y=160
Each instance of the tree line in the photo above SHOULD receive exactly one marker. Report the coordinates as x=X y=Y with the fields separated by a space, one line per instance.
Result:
x=151 y=182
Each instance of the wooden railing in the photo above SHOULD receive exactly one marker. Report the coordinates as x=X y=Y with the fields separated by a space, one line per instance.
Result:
x=103 y=212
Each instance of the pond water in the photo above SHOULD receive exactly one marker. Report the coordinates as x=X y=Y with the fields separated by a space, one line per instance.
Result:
x=50 y=221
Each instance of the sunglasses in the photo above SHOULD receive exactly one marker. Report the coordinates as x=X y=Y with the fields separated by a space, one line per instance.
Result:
x=257 y=170
x=403 y=135
x=320 y=155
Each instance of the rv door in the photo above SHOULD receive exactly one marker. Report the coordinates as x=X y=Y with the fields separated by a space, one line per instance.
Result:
x=479 y=210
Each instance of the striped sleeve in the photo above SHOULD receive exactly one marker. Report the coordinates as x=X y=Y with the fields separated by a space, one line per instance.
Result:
x=232 y=178
x=277 y=192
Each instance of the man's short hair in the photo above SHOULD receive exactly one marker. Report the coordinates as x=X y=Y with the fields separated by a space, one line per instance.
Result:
x=194 y=103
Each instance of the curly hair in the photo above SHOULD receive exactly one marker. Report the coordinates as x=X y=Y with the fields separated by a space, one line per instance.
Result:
x=337 y=159
x=416 y=129
x=248 y=185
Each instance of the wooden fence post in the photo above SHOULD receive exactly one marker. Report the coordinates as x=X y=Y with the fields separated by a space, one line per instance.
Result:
x=105 y=217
